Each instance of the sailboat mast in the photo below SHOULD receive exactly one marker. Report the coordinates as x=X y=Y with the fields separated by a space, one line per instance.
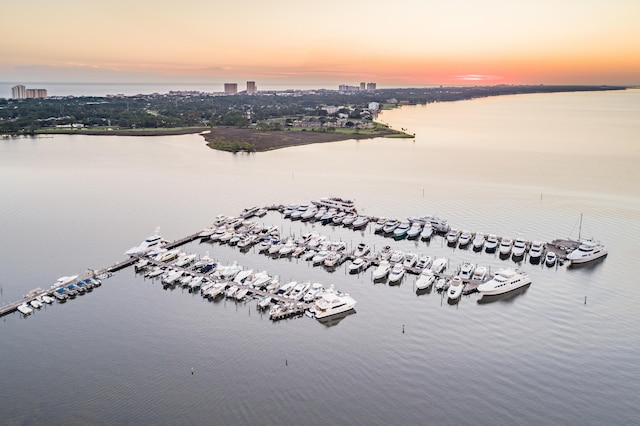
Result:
x=580 y=229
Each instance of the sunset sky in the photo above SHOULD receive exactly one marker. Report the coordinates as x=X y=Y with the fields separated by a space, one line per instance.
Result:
x=396 y=44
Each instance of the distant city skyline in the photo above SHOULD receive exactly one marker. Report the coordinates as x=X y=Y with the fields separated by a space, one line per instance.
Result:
x=409 y=43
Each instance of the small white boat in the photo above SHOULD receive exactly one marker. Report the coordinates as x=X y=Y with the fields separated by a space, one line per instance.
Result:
x=397 y=257
x=47 y=299
x=242 y=276
x=452 y=236
x=360 y=222
x=383 y=269
x=415 y=230
x=378 y=227
x=348 y=219
x=299 y=290
x=241 y=293
x=425 y=280
x=535 y=252
x=332 y=303
x=396 y=274
x=231 y=292
x=550 y=258
x=312 y=293
x=410 y=260
x=464 y=239
x=442 y=284
x=172 y=277
x=480 y=274
x=427 y=232
x=519 y=247
x=439 y=265
x=455 y=288
x=478 y=241
x=424 y=262
x=185 y=260
x=264 y=302
x=491 y=243
x=401 y=230
x=36 y=304
x=24 y=309
x=357 y=265
x=390 y=226
x=361 y=250
x=506 y=244
x=319 y=258
x=466 y=270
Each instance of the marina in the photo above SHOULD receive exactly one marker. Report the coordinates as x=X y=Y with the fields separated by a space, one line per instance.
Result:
x=157 y=257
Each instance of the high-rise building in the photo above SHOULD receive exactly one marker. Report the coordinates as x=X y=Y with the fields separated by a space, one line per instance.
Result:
x=371 y=86
x=230 y=88
x=363 y=85
x=251 y=88
x=19 y=92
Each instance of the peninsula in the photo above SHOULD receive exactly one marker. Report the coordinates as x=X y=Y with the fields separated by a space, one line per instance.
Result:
x=241 y=122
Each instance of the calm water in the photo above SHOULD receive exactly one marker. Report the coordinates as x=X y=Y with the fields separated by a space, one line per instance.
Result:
x=515 y=166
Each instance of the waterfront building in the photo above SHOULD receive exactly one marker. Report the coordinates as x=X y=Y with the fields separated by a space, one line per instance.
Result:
x=251 y=88
x=371 y=86
x=230 y=88
x=19 y=92
x=363 y=85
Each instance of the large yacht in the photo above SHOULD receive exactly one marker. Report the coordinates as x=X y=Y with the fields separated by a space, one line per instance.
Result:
x=336 y=203
x=587 y=251
x=152 y=242
x=504 y=281
x=332 y=303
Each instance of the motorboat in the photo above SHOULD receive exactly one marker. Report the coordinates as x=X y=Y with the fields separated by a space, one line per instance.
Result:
x=466 y=270
x=491 y=243
x=410 y=260
x=478 y=241
x=360 y=222
x=383 y=269
x=229 y=272
x=261 y=212
x=167 y=256
x=439 y=265
x=378 y=227
x=504 y=281
x=288 y=210
x=332 y=259
x=452 y=236
x=337 y=203
x=226 y=237
x=309 y=254
x=328 y=216
x=361 y=250
x=241 y=293
x=396 y=274
x=156 y=271
x=357 y=265
x=185 y=280
x=35 y=303
x=321 y=212
x=426 y=279
x=348 y=219
x=427 y=232
x=62 y=281
x=386 y=253
x=424 y=262
x=297 y=213
x=47 y=299
x=141 y=265
x=264 y=302
x=152 y=242
x=260 y=280
x=309 y=213
x=506 y=244
x=242 y=276
x=287 y=248
x=247 y=241
x=274 y=248
x=519 y=248
x=196 y=282
x=535 y=252
x=286 y=288
x=231 y=291
x=185 y=259
x=401 y=230
x=442 y=284
x=480 y=274
x=24 y=309
x=439 y=225
x=318 y=259
x=332 y=303
x=550 y=258
x=415 y=230
x=390 y=226
x=297 y=293
x=312 y=293
x=249 y=212
x=465 y=239
x=588 y=251
x=455 y=288
x=397 y=256
x=338 y=218
x=172 y=276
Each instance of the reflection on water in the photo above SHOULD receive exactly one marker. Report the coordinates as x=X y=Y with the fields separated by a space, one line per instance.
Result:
x=506 y=297
x=335 y=319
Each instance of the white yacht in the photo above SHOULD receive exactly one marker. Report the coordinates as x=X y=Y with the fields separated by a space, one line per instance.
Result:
x=167 y=256
x=455 y=288
x=396 y=274
x=504 y=281
x=332 y=303
x=506 y=244
x=480 y=274
x=309 y=213
x=478 y=241
x=312 y=293
x=491 y=243
x=299 y=290
x=439 y=225
x=360 y=222
x=465 y=239
x=349 y=219
x=410 y=260
x=452 y=236
x=535 y=252
x=427 y=232
x=425 y=280
x=241 y=293
x=587 y=251
x=401 y=230
x=397 y=256
x=466 y=270
x=336 y=203
x=25 y=309
x=361 y=250
x=439 y=265
x=319 y=258
x=415 y=230
x=152 y=242
x=519 y=247
x=390 y=226
x=65 y=280
x=424 y=262
x=357 y=265
x=379 y=225
x=382 y=270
